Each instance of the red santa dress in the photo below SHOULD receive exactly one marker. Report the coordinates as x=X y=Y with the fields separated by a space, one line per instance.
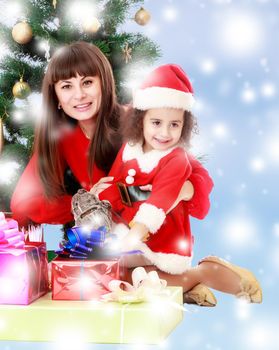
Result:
x=169 y=246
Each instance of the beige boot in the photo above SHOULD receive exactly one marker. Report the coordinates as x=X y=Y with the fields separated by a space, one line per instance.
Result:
x=200 y=295
x=250 y=288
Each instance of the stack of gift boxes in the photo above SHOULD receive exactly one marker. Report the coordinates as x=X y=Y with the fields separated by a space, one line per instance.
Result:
x=81 y=277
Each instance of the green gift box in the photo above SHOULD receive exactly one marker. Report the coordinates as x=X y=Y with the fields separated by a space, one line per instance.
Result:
x=91 y=321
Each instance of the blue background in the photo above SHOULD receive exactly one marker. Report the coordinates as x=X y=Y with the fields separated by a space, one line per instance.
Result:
x=230 y=51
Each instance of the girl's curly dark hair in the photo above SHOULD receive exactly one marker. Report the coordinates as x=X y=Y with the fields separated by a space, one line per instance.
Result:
x=132 y=126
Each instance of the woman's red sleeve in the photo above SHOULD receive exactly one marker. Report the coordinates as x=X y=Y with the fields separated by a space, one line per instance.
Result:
x=29 y=202
x=199 y=204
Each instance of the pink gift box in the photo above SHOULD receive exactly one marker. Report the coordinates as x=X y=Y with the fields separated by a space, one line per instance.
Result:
x=74 y=279
x=23 y=273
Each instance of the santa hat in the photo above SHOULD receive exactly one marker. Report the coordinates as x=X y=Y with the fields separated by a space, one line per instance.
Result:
x=165 y=87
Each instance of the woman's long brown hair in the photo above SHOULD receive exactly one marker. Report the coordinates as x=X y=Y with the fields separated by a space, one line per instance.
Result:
x=86 y=60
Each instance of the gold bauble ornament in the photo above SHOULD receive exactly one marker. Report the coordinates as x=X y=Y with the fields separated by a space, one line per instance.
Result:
x=142 y=17
x=22 y=33
x=91 y=25
x=21 y=89
x=1 y=136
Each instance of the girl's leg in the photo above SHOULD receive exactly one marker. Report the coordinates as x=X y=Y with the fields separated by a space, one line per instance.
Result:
x=218 y=274
x=207 y=273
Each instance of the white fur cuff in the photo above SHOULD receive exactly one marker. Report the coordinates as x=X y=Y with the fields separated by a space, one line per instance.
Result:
x=151 y=216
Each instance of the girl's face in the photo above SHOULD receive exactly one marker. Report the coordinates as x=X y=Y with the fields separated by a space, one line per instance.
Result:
x=79 y=97
x=162 y=128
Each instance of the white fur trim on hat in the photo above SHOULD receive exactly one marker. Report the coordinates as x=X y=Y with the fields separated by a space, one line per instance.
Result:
x=151 y=216
x=161 y=97
x=170 y=263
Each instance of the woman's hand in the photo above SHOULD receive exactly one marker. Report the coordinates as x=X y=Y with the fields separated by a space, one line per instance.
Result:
x=101 y=185
x=186 y=193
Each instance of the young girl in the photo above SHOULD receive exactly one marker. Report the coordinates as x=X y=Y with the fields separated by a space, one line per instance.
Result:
x=157 y=131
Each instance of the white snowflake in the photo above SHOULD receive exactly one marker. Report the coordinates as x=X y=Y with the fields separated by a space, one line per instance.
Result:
x=257 y=164
x=8 y=171
x=239 y=231
x=4 y=50
x=80 y=11
x=272 y=148
x=208 y=66
x=268 y=90
x=248 y=95
x=275 y=230
x=262 y=335
x=170 y=14
x=240 y=33
x=242 y=309
x=11 y=12
x=18 y=115
x=220 y=130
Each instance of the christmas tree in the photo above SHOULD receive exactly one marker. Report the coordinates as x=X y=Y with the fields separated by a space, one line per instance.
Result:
x=30 y=31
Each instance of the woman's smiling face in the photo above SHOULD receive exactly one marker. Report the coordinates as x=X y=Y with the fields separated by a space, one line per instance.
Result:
x=80 y=97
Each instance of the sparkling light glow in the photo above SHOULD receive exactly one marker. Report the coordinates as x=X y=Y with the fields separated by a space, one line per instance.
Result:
x=240 y=34
x=18 y=115
x=34 y=102
x=248 y=95
x=4 y=50
x=70 y=339
x=2 y=325
x=85 y=282
x=220 y=130
x=272 y=148
x=11 y=12
x=275 y=258
x=257 y=164
x=208 y=66
x=242 y=309
x=275 y=229
x=268 y=90
x=135 y=75
x=170 y=14
x=16 y=269
x=80 y=11
x=239 y=232
x=9 y=286
x=8 y=171
x=262 y=336
x=183 y=244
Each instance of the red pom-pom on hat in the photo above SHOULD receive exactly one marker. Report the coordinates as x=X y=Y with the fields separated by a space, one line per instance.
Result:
x=165 y=87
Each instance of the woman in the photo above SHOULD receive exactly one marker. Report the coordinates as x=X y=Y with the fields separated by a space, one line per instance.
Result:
x=77 y=133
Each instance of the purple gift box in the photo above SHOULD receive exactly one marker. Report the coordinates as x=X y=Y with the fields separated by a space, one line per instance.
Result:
x=23 y=266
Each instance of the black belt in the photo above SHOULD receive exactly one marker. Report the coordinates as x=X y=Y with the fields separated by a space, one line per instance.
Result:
x=131 y=194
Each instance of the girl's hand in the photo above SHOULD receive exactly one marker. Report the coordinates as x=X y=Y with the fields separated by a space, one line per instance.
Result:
x=146 y=188
x=138 y=233
x=101 y=185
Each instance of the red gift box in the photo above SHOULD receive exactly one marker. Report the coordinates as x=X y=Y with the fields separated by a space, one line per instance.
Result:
x=74 y=279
